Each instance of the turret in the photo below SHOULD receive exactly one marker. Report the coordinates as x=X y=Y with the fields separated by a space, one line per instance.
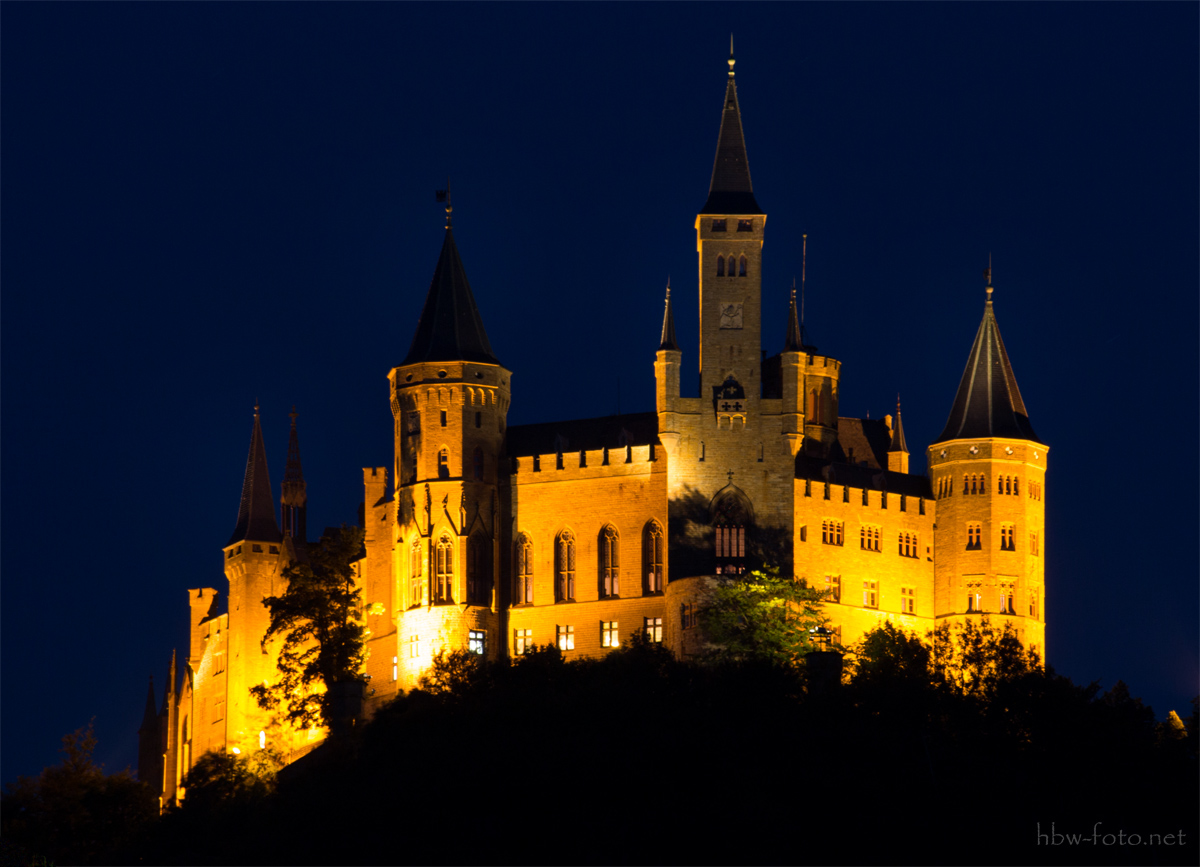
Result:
x=667 y=363
x=897 y=450
x=987 y=470
x=450 y=398
x=254 y=560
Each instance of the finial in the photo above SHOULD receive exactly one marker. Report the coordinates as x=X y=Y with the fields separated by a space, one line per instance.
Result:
x=292 y=415
x=793 y=290
x=897 y=403
x=668 y=288
x=444 y=196
x=256 y=409
x=803 y=274
x=731 y=61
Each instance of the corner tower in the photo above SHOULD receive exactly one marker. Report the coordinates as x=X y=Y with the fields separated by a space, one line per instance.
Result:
x=450 y=399
x=253 y=565
x=988 y=469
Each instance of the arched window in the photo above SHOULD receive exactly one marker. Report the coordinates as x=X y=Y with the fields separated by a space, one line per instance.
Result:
x=1016 y=484
x=652 y=558
x=742 y=266
x=564 y=567
x=416 y=573
x=610 y=562
x=444 y=464
x=731 y=517
x=523 y=574
x=477 y=461
x=720 y=266
x=479 y=570
x=814 y=407
x=443 y=578
x=966 y=484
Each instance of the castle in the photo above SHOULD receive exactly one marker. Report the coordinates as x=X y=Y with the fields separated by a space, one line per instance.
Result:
x=578 y=533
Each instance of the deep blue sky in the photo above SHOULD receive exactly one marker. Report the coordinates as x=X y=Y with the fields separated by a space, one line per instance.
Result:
x=208 y=204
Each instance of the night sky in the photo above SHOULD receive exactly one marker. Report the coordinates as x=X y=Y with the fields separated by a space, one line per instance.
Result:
x=205 y=205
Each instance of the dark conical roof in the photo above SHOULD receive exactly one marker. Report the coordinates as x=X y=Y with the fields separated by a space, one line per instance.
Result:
x=450 y=328
x=794 y=341
x=898 y=444
x=730 y=191
x=668 y=330
x=150 y=714
x=988 y=403
x=256 y=512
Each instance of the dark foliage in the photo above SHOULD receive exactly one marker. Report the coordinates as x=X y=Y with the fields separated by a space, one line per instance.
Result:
x=74 y=813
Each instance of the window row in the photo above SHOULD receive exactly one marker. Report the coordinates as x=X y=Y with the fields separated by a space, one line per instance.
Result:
x=1005 y=600
x=438 y=587
x=1008 y=538
x=832 y=532
x=870 y=594
x=1035 y=490
x=976 y=483
x=608 y=565
x=737 y=266
x=742 y=225
x=564 y=635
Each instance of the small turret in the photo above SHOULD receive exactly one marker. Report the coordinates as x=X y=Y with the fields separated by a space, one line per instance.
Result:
x=898 y=451
x=256 y=510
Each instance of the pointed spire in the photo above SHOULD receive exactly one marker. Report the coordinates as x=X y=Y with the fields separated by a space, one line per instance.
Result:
x=898 y=444
x=150 y=714
x=988 y=403
x=294 y=497
x=450 y=328
x=668 y=330
x=794 y=342
x=730 y=191
x=256 y=512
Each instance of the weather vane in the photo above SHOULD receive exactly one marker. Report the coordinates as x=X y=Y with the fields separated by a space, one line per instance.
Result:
x=444 y=196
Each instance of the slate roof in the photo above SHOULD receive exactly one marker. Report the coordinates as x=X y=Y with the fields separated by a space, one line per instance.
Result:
x=898 y=435
x=584 y=433
x=450 y=328
x=862 y=440
x=668 y=330
x=988 y=403
x=872 y=478
x=730 y=191
x=256 y=511
x=793 y=342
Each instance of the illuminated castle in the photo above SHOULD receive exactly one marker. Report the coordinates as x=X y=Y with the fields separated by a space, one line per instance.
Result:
x=578 y=533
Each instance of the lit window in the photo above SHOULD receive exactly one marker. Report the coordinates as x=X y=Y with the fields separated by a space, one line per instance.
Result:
x=908 y=600
x=523 y=585
x=974 y=599
x=566 y=637
x=1007 y=537
x=729 y=535
x=395 y=668
x=870 y=594
x=745 y=226
x=443 y=587
x=416 y=583
x=832 y=532
x=1006 y=599
x=522 y=641
x=414 y=647
x=870 y=537
x=908 y=545
x=609 y=636
x=652 y=557
x=610 y=562
x=833 y=586
x=262 y=740
x=564 y=567
x=477 y=641
x=653 y=626
x=974 y=536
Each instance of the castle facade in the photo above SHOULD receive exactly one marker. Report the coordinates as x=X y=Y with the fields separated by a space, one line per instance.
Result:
x=578 y=533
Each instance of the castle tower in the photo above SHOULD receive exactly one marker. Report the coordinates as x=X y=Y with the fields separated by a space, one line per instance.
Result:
x=450 y=399
x=253 y=564
x=987 y=469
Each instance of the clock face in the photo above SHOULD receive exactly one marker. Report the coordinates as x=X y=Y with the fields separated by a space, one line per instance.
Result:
x=731 y=315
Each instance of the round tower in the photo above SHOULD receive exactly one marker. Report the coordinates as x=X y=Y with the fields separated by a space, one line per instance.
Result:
x=450 y=399
x=988 y=470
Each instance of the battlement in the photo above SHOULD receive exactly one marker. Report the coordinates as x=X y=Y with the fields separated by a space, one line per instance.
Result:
x=586 y=463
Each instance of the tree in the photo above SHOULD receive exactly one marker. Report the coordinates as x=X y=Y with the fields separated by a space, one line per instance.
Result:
x=73 y=812
x=762 y=616
x=318 y=616
x=975 y=659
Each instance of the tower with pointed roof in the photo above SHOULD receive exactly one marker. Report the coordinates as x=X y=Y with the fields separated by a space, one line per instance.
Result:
x=988 y=469
x=449 y=398
x=254 y=561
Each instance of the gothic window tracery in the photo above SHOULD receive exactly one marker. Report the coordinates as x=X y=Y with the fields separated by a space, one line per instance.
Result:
x=443 y=578
x=652 y=558
x=564 y=567
x=610 y=562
